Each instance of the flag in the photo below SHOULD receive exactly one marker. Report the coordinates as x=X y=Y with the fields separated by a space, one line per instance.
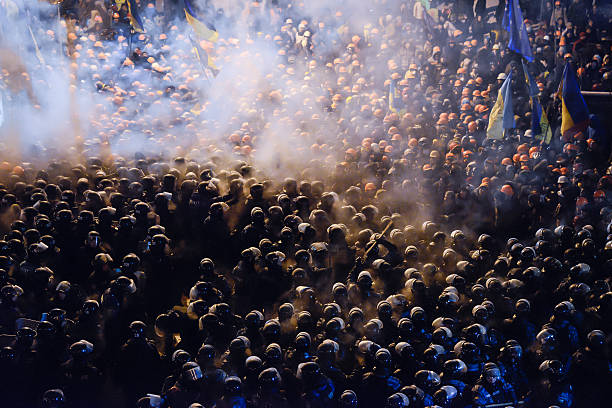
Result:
x=134 y=16
x=197 y=109
x=204 y=30
x=531 y=84
x=1 y=109
x=206 y=62
x=539 y=122
x=394 y=97
x=513 y=23
x=502 y=114
x=426 y=4
x=429 y=23
x=574 y=111
x=540 y=126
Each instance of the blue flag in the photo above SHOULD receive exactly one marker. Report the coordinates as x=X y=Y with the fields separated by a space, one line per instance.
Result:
x=513 y=23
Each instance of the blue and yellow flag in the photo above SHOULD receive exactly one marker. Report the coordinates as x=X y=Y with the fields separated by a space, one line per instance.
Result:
x=574 y=111
x=134 y=16
x=204 y=30
x=514 y=24
x=395 y=98
x=502 y=114
x=531 y=84
x=206 y=62
x=539 y=121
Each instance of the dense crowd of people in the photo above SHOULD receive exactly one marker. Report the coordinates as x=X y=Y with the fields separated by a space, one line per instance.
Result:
x=320 y=245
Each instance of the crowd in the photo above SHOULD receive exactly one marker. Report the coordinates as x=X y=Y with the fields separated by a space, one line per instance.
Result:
x=321 y=245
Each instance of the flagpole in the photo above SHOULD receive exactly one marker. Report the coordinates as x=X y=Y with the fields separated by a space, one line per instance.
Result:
x=130 y=39
x=59 y=27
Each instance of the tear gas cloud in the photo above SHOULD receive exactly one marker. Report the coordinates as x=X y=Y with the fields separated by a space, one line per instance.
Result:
x=283 y=109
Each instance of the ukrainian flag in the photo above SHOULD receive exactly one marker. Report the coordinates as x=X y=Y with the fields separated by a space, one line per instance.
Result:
x=134 y=16
x=539 y=121
x=204 y=30
x=206 y=62
x=394 y=98
x=574 y=111
x=502 y=114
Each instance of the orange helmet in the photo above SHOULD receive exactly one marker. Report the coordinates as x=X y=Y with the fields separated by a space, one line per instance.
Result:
x=506 y=161
x=581 y=202
x=507 y=190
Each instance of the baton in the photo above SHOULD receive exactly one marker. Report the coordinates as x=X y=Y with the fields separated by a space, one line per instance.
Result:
x=376 y=242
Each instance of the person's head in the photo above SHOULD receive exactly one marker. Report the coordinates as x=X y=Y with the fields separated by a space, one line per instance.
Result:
x=491 y=373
